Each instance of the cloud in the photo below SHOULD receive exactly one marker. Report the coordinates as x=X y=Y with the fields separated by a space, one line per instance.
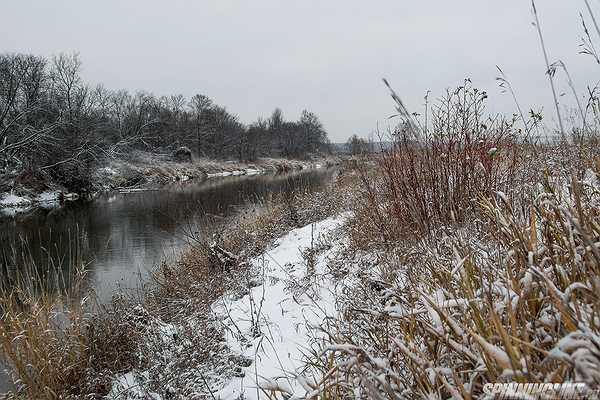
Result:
x=327 y=56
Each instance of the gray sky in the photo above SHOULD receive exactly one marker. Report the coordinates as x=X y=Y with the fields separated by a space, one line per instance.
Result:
x=327 y=56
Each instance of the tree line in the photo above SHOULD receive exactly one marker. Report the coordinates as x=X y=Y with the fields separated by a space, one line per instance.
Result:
x=52 y=121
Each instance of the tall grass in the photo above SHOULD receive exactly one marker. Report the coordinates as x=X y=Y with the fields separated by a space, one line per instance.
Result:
x=42 y=327
x=491 y=264
x=512 y=299
x=55 y=340
x=433 y=176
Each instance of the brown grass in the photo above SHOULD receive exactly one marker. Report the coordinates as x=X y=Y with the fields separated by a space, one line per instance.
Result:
x=433 y=176
x=60 y=348
x=513 y=298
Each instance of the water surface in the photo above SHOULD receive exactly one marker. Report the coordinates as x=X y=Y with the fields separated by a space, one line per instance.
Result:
x=122 y=236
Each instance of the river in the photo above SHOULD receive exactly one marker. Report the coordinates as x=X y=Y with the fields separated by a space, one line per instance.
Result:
x=121 y=237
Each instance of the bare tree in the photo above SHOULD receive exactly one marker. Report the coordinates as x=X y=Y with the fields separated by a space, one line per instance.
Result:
x=357 y=145
x=22 y=123
x=52 y=121
x=67 y=82
x=199 y=105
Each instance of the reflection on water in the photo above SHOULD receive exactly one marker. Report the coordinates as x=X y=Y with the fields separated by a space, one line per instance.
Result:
x=122 y=237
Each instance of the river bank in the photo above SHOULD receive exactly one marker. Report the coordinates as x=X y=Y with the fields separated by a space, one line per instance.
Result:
x=123 y=336
x=354 y=304
x=141 y=171
x=339 y=292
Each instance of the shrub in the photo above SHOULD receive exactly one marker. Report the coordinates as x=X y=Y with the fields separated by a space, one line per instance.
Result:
x=433 y=176
x=182 y=154
x=74 y=176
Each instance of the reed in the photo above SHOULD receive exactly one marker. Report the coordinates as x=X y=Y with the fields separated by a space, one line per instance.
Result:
x=43 y=324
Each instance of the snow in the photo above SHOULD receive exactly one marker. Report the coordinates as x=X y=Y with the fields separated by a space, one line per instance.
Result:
x=133 y=385
x=12 y=211
x=109 y=171
x=274 y=324
x=218 y=174
x=135 y=190
x=71 y=196
x=9 y=199
x=11 y=204
x=247 y=171
x=130 y=386
x=48 y=197
x=252 y=171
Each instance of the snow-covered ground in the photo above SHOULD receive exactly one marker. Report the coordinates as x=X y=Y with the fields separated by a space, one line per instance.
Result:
x=277 y=322
x=11 y=204
x=258 y=170
x=245 y=171
x=10 y=199
x=268 y=330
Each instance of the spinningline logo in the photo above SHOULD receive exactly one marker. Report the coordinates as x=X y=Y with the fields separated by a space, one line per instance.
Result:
x=575 y=391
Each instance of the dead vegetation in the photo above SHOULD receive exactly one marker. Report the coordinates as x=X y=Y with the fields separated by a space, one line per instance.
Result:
x=59 y=348
x=510 y=297
x=486 y=245
x=143 y=169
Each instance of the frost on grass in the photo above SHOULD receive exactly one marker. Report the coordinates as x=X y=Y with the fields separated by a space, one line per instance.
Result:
x=512 y=296
x=10 y=199
x=175 y=361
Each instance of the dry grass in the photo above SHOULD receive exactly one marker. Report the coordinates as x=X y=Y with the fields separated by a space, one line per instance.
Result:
x=433 y=176
x=218 y=264
x=512 y=298
x=488 y=258
x=61 y=348
x=145 y=169
x=42 y=333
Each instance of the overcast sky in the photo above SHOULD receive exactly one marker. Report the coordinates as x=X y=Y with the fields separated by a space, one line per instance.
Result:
x=324 y=55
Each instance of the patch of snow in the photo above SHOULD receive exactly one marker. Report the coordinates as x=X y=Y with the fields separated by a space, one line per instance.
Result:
x=130 y=386
x=10 y=199
x=219 y=174
x=11 y=204
x=11 y=211
x=133 y=385
x=48 y=200
x=274 y=325
x=134 y=190
x=71 y=196
x=109 y=171
x=253 y=171
x=48 y=197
